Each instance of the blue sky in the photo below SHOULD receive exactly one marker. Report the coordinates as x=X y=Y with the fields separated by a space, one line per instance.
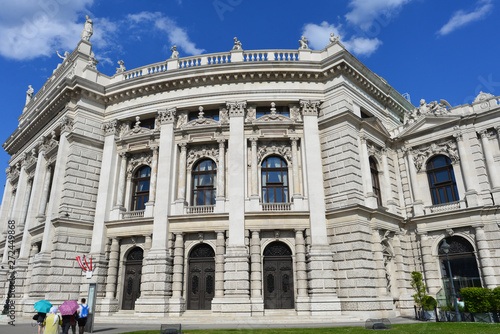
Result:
x=429 y=49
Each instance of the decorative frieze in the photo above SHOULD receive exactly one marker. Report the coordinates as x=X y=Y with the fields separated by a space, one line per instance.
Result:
x=448 y=148
x=280 y=148
x=144 y=158
x=205 y=151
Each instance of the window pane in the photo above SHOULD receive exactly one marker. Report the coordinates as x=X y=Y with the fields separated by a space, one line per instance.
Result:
x=264 y=196
x=449 y=194
x=271 y=196
x=441 y=195
x=143 y=186
x=285 y=190
x=206 y=180
x=285 y=179
x=442 y=176
x=264 y=179
x=274 y=176
x=279 y=197
x=145 y=172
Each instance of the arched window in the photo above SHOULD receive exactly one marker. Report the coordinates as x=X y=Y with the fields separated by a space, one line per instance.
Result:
x=204 y=177
x=274 y=180
x=375 y=181
x=442 y=180
x=140 y=183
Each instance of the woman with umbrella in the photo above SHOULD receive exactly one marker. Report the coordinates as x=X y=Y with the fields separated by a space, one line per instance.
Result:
x=68 y=310
x=42 y=307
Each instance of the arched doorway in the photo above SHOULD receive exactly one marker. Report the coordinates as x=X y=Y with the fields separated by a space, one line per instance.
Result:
x=278 y=277
x=201 y=280
x=132 y=283
x=463 y=265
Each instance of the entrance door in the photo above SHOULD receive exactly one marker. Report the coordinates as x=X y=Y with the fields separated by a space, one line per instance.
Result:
x=201 y=280
x=132 y=283
x=278 y=277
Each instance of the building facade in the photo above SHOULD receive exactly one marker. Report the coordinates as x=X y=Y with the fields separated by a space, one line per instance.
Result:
x=247 y=182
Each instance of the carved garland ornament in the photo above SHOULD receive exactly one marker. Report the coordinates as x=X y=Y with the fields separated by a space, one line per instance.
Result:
x=448 y=148
x=282 y=149
x=137 y=160
x=205 y=151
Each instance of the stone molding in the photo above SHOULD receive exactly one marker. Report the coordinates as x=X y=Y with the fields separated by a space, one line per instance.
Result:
x=279 y=148
x=447 y=147
x=144 y=158
x=196 y=153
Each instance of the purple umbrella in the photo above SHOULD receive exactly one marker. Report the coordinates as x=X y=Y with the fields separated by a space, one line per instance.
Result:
x=68 y=307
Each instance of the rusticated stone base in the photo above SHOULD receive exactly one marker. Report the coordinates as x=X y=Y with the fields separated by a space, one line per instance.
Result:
x=108 y=306
x=326 y=305
x=257 y=306
x=232 y=306
x=368 y=307
x=177 y=306
x=302 y=305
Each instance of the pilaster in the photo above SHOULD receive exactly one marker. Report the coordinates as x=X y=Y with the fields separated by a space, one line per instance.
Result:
x=485 y=262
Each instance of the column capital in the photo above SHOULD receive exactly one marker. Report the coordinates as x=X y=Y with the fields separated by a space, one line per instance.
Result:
x=253 y=140
x=183 y=145
x=66 y=124
x=236 y=108
x=309 y=107
x=154 y=148
x=458 y=136
x=110 y=127
x=294 y=139
x=123 y=154
x=166 y=116
x=483 y=134
x=221 y=141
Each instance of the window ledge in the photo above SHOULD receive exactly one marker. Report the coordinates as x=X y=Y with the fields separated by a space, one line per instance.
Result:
x=450 y=206
x=133 y=214
x=276 y=206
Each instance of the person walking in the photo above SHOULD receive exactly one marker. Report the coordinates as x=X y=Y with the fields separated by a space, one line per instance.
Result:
x=83 y=313
x=39 y=321
x=52 y=322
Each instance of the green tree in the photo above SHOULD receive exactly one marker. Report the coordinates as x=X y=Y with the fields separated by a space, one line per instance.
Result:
x=417 y=283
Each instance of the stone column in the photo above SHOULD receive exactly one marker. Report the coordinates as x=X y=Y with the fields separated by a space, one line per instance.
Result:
x=236 y=300
x=177 y=302
x=485 y=261
x=468 y=171
x=302 y=301
x=254 y=176
x=148 y=241
x=491 y=167
x=181 y=185
x=220 y=250
x=110 y=302
x=6 y=204
x=256 y=274
x=221 y=171
x=150 y=205
x=157 y=265
x=387 y=193
x=6 y=234
x=324 y=300
x=431 y=271
x=22 y=189
x=370 y=198
x=26 y=202
x=418 y=204
x=45 y=194
x=378 y=258
x=297 y=193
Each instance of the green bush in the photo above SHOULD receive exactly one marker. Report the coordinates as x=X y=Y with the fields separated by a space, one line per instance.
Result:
x=496 y=298
x=429 y=303
x=417 y=283
x=478 y=300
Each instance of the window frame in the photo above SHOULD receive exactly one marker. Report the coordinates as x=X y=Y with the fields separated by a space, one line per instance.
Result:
x=274 y=186
x=375 y=180
x=196 y=189
x=137 y=195
x=435 y=187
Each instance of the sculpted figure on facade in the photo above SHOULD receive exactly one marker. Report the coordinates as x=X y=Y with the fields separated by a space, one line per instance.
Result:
x=181 y=119
x=136 y=160
x=251 y=114
x=195 y=153
x=223 y=116
x=295 y=114
x=29 y=94
x=88 y=29
x=448 y=148
x=122 y=68
x=66 y=55
x=237 y=44
x=333 y=39
x=303 y=43
x=175 y=53
x=280 y=148
x=432 y=108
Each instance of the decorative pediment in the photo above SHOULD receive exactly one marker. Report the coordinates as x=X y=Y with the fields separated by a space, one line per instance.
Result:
x=201 y=120
x=280 y=148
x=428 y=122
x=447 y=147
x=195 y=153
x=127 y=130
x=377 y=124
x=144 y=158
x=273 y=116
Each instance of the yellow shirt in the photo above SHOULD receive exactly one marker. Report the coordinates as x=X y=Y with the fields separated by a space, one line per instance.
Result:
x=50 y=327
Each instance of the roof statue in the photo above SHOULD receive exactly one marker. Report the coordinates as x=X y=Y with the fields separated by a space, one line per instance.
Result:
x=237 y=44
x=431 y=108
x=303 y=43
x=122 y=68
x=333 y=39
x=175 y=53
x=88 y=29
x=66 y=55
x=29 y=94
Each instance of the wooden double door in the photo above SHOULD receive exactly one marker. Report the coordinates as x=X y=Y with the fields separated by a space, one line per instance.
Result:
x=278 y=277
x=201 y=278
x=132 y=282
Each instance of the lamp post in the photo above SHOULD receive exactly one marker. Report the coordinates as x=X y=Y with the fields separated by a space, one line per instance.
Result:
x=445 y=247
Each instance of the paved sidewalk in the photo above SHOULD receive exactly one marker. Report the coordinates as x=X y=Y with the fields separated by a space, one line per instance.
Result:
x=25 y=326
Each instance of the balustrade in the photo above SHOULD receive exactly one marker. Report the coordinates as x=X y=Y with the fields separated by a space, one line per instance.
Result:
x=133 y=214
x=200 y=209
x=276 y=206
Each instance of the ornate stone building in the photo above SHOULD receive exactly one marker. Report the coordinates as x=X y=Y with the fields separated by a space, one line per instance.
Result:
x=244 y=182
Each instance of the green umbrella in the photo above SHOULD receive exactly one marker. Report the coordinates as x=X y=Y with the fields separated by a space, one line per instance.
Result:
x=43 y=306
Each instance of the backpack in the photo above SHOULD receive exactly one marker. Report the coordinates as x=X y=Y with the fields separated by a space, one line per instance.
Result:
x=85 y=311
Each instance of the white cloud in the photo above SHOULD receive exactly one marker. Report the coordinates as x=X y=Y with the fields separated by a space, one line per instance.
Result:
x=462 y=18
x=365 y=12
x=319 y=37
x=33 y=28
x=175 y=34
x=362 y=46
